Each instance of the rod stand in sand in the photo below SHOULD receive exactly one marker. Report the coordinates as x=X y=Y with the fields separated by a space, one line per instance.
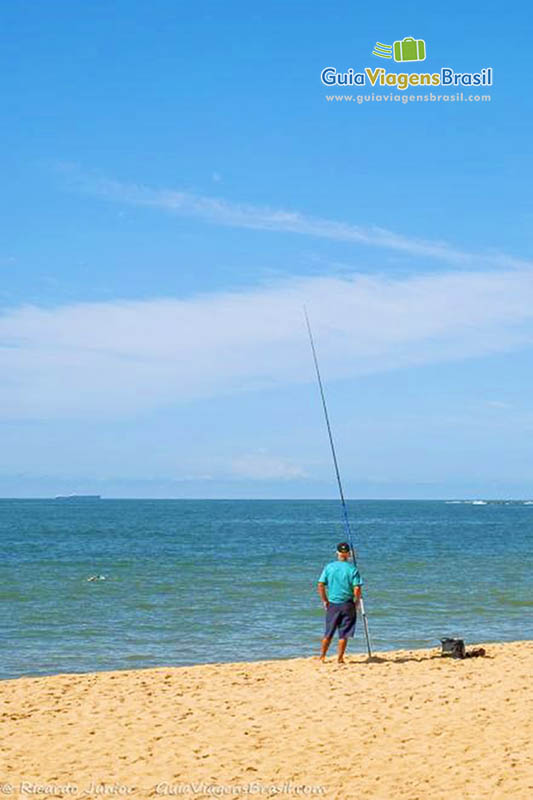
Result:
x=338 y=475
x=365 y=625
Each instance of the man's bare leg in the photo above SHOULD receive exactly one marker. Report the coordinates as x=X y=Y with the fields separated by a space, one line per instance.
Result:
x=341 y=650
x=324 y=649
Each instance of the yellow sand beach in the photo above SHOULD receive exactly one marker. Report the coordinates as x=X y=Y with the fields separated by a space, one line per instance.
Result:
x=410 y=725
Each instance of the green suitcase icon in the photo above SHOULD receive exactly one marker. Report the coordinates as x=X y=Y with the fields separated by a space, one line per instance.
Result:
x=410 y=49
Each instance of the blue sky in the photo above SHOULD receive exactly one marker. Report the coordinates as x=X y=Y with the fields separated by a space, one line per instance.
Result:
x=176 y=187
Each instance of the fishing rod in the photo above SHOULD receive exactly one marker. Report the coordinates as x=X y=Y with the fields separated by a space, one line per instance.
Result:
x=337 y=473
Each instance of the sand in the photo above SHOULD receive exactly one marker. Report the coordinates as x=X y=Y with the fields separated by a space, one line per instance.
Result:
x=411 y=725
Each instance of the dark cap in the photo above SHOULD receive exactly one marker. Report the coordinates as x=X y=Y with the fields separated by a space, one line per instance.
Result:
x=343 y=547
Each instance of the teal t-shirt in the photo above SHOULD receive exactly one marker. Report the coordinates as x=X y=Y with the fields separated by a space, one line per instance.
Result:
x=340 y=577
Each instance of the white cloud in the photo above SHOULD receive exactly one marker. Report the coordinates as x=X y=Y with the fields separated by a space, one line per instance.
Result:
x=120 y=358
x=224 y=212
x=262 y=466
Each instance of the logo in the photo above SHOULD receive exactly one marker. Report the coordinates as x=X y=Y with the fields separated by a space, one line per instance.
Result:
x=404 y=51
x=407 y=49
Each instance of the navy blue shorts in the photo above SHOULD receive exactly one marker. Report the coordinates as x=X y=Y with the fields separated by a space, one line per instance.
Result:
x=341 y=617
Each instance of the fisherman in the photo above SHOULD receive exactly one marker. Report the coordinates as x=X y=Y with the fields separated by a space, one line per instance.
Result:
x=339 y=587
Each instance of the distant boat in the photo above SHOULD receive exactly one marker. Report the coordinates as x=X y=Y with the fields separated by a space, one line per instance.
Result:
x=78 y=497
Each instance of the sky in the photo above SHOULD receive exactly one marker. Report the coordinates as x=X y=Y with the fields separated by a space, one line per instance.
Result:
x=176 y=188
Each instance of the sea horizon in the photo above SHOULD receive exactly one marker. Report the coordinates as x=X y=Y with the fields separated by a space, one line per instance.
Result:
x=296 y=499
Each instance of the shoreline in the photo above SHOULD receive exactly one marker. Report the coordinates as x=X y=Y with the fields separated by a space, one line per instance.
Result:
x=359 y=657
x=406 y=726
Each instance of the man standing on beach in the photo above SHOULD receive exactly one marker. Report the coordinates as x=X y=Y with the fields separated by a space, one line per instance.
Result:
x=339 y=587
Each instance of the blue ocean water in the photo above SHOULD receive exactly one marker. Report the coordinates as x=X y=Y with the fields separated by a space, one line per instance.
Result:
x=202 y=581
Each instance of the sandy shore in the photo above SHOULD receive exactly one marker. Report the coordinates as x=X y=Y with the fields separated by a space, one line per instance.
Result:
x=411 y=725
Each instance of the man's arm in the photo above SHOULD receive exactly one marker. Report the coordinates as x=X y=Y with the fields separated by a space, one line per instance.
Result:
x=322 y=593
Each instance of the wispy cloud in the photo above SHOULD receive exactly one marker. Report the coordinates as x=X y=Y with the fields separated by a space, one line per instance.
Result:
x=223 y=212
x=122 y=358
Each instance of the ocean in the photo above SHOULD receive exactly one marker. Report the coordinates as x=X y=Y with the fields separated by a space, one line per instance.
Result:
x=189 y=581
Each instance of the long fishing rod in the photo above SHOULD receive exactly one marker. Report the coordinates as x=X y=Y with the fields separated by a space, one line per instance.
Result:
x=337 y=473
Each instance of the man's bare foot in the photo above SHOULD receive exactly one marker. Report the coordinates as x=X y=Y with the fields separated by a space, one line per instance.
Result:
x=322 y=659
x=341 y=661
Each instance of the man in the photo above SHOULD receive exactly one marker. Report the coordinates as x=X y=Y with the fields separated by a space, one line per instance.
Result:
x=343 y=583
